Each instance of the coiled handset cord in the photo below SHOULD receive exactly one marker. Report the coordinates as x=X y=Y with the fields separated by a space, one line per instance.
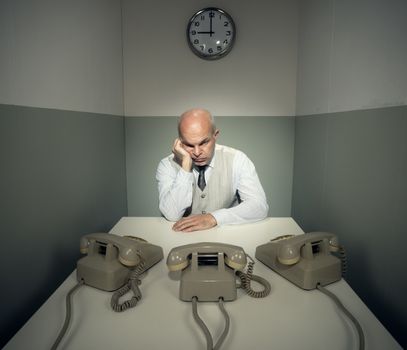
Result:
x=131 y=285
x=246 y=279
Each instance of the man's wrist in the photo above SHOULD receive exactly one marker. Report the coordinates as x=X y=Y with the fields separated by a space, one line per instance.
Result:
x=186 y=164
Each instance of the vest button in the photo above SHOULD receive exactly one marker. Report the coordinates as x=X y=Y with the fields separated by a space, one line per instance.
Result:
x=203 y=212
x=203 y=195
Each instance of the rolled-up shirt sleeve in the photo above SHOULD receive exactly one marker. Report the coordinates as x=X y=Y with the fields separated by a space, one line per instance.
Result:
x=175 y=188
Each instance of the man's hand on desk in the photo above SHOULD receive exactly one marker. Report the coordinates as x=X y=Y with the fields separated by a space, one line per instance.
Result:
x=195 y=223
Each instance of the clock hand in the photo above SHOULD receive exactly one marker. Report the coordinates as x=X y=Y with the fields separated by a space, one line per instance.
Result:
x=210 y=28
x=206 y=33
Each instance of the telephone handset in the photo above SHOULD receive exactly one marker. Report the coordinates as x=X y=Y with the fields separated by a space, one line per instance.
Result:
x=209 y=273
x=305 y=260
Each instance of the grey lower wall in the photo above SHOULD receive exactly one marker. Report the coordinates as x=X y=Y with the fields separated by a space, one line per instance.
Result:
x=268 y=141
x=62 y=175
x=350 y=178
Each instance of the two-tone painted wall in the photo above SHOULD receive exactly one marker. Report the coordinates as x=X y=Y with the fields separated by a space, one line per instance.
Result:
x=62 y=147
x=350 y=165
x=314 y=92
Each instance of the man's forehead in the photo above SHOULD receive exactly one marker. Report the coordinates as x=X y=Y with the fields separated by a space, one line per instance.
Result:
x=195 y=139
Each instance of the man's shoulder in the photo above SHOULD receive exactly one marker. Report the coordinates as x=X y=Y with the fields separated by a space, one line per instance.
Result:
x=168 y=162
x=226 y=150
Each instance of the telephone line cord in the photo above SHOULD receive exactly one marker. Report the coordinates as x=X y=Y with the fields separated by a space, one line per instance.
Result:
x=68 y=315
x=202 y=325
x=347 y=313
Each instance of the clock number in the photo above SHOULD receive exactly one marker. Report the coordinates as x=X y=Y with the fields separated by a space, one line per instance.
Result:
x=196 y=41
x=210 y=50
x=202 y=18
x=202 y=47
x=197 y=24
x=226 y=24
x=226 y=41
x=228 y=32
x=219 y=48
x=193 y=32
x=211 y=14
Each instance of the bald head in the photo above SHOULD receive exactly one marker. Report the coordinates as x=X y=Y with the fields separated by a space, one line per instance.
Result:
x=195 y=118
x=198 y=134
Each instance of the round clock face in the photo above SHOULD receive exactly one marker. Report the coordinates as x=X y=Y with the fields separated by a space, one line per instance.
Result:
x=211 y=33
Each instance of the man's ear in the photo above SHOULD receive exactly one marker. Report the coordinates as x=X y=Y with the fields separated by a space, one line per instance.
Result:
x=216 y=133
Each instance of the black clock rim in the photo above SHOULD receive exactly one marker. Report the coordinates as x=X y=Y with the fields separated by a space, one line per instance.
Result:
x=218 y=54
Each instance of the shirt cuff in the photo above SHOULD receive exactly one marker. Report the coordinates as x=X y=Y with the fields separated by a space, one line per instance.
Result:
x=221 y=216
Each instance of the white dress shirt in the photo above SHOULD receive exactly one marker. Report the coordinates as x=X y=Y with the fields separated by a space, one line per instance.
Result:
x=176 y=191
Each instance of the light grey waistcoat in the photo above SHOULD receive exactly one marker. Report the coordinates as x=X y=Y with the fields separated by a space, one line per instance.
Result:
x=218 y=192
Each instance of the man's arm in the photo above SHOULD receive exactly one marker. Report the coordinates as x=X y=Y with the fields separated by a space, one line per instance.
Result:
x=175 y=190
x=254 y=205
x=175 y=185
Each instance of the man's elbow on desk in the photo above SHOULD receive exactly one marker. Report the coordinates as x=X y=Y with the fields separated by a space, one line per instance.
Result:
x=170 y=215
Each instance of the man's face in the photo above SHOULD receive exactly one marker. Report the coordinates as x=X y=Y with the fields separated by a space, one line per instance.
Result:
x=199 y=141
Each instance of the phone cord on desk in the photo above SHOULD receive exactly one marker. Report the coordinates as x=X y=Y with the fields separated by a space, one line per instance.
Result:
x=347 y=313
x=202 y=325
x=246 y=279
x=133 y=285
x=68 y=315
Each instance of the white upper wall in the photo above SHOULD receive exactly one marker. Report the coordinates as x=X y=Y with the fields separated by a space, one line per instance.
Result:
x=162 y=77
x=352 y=55
x=62 y=54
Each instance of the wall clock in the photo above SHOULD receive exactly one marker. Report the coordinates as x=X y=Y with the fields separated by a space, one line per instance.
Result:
x=211 y=33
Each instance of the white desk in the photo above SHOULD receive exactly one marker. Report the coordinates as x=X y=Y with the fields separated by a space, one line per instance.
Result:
x=289 y=318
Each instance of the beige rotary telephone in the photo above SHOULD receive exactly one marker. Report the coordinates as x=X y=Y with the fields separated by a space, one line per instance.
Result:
x=310 y=261
x=209 y=273
x=111 y=259
x=305 y=260
x=112 y=263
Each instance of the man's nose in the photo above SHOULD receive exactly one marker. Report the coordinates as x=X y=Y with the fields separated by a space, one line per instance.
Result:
x=197 y=150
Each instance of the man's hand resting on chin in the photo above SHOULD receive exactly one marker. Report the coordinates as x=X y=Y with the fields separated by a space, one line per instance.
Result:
x=195 y=223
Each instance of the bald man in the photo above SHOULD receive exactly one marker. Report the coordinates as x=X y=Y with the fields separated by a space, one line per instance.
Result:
x=203 y=184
